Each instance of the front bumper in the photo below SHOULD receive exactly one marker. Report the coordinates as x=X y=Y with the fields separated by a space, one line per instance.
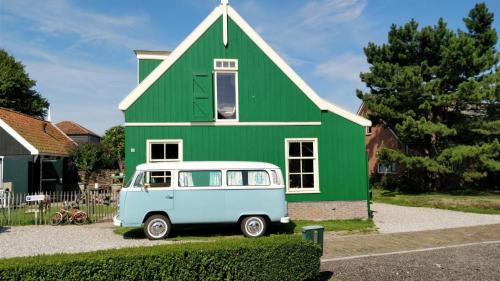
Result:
x=116 y=221
x=285 y=219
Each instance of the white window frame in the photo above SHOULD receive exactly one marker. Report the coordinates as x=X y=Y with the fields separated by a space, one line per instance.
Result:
x=149 y=142
x=227 y=69
x=315 y=158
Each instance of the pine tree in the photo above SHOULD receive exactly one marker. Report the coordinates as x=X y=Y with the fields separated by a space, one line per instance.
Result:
x=439 y=90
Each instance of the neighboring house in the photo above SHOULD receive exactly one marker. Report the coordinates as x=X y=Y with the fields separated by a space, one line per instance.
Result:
x=33 y=154
x=376 y=138
x=224 y=94
x=78 y=133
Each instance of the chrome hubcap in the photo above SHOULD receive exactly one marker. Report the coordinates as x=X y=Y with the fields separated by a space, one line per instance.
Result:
x=254 y=226
x=157 y=228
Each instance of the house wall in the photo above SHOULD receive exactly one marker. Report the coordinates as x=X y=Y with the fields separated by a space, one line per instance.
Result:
x=380 y=137
x=85 y=139
x=342 y=161
x=265 y=94
x=16 y=171
x=145 y=66
x=10 y=146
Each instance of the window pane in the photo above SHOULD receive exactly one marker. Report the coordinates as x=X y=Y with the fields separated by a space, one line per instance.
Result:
x=250 y=178
x=294 y=165
x=226 y=96
x=157 y=151
x=139 y=180
x=294 y=149
x=308 y=181
x=200 y=178
x=307 y=149
x=307 y=165
x=294 y=181
x=172 y=150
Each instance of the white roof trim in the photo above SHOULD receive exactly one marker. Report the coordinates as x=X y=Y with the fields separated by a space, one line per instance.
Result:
x=151 y=57
x=212 y=17
x=18 y=137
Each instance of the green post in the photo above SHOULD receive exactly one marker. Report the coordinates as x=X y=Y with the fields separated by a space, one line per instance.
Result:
x=314 y=233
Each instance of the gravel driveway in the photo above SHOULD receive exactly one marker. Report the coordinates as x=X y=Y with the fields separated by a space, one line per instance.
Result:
x=35 y=240
x=392 y=218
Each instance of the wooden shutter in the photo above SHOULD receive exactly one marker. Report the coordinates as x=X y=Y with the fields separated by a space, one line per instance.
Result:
x=203 y=105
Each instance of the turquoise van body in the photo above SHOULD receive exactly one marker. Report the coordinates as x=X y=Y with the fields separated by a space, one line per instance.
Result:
x=229 y=194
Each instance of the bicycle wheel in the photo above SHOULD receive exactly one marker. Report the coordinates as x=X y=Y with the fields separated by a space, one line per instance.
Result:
x=56 y=219
x=80 y=217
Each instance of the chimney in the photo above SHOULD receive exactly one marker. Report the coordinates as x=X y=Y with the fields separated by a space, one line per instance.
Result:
x=48 y=118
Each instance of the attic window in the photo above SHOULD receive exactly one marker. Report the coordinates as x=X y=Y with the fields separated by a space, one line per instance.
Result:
x=226 y=89
x=225 y=64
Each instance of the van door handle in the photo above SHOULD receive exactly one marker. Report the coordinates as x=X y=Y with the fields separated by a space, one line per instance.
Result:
x=169 y=197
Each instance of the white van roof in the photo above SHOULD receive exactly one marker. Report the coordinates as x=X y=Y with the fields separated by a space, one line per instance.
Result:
x=205 y=165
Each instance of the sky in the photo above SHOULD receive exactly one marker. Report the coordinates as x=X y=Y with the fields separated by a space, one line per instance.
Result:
x=81 y=52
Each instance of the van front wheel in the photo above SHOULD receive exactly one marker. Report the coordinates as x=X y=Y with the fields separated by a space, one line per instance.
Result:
x=253 y=226
x=157 y=227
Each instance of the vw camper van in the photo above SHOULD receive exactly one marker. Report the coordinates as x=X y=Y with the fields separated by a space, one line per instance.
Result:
x=163 y=194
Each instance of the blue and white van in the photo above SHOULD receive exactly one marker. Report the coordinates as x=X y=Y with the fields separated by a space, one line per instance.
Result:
x=160 y=195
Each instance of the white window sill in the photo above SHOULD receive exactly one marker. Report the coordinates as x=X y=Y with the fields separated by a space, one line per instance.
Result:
x=315 y=191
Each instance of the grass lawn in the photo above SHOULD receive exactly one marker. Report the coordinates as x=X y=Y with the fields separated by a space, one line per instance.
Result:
x=25 y=216
x=478 y=202
x=216 y=231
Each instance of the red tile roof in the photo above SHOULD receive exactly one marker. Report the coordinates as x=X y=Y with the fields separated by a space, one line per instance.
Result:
x=41 y=134
x=72 y=128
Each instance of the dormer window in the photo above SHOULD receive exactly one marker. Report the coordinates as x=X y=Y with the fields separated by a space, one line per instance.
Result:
x=226 y=89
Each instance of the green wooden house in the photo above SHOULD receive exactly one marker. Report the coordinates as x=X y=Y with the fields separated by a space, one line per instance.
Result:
x=224 y=94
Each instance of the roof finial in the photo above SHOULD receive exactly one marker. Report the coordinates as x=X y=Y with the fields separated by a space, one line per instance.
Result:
x=224 y=4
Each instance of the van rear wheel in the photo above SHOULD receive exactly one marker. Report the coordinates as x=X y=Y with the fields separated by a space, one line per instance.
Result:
x=253 y=226
x=157 y=227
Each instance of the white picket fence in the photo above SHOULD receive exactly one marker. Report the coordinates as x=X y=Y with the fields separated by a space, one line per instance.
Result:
x=18 y=209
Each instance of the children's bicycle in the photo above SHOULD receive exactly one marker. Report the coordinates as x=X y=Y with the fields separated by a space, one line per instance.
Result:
x=74 y=216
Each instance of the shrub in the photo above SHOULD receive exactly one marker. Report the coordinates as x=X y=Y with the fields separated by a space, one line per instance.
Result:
x=271 y=258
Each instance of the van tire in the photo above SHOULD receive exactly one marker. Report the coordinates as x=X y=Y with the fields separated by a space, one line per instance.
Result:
x=253 y=226
x=157 y=227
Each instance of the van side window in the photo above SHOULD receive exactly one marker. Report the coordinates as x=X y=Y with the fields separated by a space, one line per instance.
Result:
x=200 y=178
x=249 y=178
x=160 y=179
x=276 y=178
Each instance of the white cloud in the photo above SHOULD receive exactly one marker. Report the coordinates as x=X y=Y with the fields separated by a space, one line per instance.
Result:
x=343 y=67
x=326 y=12
x=60 y=18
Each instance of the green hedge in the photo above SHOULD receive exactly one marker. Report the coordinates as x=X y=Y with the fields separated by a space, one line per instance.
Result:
x=270 y=258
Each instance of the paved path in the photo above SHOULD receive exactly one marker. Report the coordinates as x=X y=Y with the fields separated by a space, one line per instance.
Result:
x=44 y=239
x=340 y=246
x=474 y=262
x=467 y=253
x=392 y=218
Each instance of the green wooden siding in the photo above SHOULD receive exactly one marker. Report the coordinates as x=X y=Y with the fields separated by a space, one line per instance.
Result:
x=263 y=87
x=342 y=166
x=146 y=66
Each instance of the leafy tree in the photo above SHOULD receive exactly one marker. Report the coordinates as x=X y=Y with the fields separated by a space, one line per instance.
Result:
x=90 y=158
x=114 y=141
x=439 y=90
x=16 y=88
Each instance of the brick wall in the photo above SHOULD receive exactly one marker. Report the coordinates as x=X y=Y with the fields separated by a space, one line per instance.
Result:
x=328 y=210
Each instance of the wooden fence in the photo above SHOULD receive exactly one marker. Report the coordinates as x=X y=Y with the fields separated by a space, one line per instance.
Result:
x=17 y=209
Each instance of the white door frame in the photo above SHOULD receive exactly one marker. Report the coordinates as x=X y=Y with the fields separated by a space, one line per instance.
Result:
x=2 y=163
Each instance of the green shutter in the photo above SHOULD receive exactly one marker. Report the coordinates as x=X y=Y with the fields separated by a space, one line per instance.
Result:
x=203 y=107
